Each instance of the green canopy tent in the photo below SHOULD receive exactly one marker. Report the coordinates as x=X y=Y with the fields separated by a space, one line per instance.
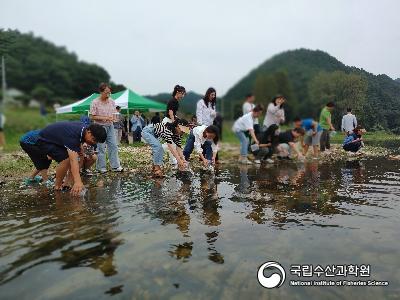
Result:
x=128 y=101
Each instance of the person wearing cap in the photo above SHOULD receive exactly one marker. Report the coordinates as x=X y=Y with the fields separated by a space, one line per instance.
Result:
x=171 y=133
x=204 y=140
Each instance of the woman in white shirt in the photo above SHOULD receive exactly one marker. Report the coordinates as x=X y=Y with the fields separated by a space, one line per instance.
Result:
x=246 y=124
x=204 y=140
x=205 y=109
x=275 y=113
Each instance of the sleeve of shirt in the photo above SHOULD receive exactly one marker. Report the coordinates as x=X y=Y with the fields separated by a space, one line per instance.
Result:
x=177 y=140
x=343 y=129
x=93 y=108
x=199 y=112
x=355 y=122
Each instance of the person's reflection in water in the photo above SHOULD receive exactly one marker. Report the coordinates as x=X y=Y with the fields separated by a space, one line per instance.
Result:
x=244 y=184
x=168 y=203
x=211 y=216
x=83 y=235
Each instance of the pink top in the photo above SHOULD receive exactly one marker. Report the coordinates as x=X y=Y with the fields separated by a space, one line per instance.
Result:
x=103 y=109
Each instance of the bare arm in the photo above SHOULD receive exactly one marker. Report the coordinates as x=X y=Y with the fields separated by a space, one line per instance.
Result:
x=74 y=165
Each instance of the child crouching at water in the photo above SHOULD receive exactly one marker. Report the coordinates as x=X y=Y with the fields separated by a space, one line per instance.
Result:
x=171 y=133
x=243 y=125
x=353 y=142
x=204 y=140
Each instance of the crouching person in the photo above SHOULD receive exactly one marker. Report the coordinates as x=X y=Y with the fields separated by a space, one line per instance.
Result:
x=204 y=140
x=287 y=143
x=354 y=141
x=268 y=141
x=41 y=162
x=171 y=133
x=61 y=142
x=243 y=125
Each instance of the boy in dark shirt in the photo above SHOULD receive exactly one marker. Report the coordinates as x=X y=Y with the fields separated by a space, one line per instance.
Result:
x=287 y=143
x=61 y=142
x=173 y=104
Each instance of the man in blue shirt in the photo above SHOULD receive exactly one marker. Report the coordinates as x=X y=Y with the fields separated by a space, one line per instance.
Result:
x=61 y=142
x=313 y=134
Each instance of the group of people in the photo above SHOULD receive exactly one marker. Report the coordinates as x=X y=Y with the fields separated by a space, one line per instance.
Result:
x=76 y=146
x=264 y=141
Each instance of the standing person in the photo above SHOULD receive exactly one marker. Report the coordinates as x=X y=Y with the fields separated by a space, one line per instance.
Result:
x=349 y=122
x=275 y=113
x=325 y=121
x=313 y=132
x=173 y=105
x=205 y=109
x=156 y=118
x=171 y=133
x=61 y=142
x=247 y=107
x=204 y=140
x=2 y=137
x=353 y=142
x=102 y=112
x=246 y=124
x=118 y=124
x=137 y=125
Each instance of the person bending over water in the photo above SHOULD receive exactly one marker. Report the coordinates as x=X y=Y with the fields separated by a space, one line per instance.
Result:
x=204 y=140
x=243 y=125
x=171 y=133
x=354 y=141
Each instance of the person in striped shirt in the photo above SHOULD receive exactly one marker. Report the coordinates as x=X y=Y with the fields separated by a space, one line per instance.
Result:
x=171 y=133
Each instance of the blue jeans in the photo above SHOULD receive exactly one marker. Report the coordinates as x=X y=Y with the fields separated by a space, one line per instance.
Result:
x=112 y=147
x=156 y=147
x=207 y=149
x=244 y=142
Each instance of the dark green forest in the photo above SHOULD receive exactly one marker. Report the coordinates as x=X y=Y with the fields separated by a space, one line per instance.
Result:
x=47 y=72
x=309 y=79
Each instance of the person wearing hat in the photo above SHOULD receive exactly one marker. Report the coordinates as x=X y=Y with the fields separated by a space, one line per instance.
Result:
x=204 y=140
x=171 y=133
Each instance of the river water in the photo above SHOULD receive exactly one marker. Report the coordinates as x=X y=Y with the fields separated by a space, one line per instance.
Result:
x=204 y=236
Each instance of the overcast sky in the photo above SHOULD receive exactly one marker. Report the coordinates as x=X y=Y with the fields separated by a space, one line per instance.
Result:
x=150 y=46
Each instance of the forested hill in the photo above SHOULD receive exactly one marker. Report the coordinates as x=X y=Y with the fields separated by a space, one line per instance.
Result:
x=310 y=78
x=48 y=72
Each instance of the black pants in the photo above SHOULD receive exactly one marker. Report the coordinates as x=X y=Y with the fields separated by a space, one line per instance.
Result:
x=325 y=141
x=352 y=147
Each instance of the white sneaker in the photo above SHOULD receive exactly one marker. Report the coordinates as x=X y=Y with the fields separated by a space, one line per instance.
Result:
x=119 y=169
x=257 y=161
x=270 y=161
x=102 y=171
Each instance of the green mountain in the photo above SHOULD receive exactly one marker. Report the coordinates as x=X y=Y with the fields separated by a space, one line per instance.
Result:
x=187 y=105
x=309 y=79
x=48 y=72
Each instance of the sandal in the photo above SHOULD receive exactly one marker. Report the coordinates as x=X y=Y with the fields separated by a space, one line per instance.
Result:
x=158 y=174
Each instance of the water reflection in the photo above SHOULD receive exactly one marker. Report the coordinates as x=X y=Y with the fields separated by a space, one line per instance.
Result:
x=155 y=237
